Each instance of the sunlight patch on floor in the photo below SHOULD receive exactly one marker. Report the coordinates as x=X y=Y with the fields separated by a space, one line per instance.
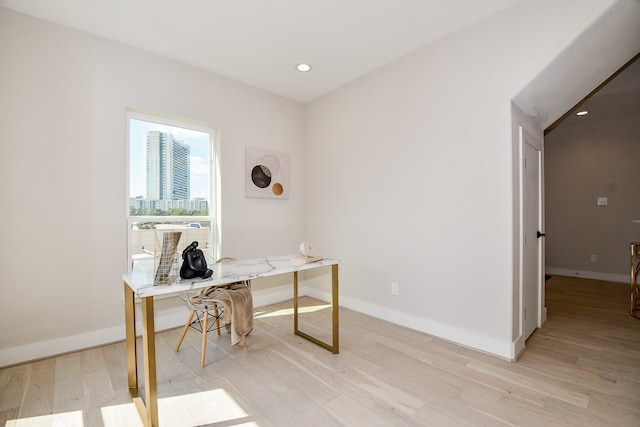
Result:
x=64 y=419
x=205 y=407
x=212 y=406
x=289 y=311
x=121 y=415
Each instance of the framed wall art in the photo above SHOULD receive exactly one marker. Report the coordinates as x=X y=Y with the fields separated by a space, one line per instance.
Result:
x=267 y=174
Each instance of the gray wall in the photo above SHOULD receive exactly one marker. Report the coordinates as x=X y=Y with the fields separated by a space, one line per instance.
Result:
x=600 y=158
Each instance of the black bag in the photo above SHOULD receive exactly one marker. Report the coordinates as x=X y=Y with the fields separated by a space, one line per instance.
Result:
x=194 y=263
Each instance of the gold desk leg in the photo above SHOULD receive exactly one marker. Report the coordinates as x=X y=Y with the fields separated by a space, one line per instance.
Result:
x=149 y=350
x=130 y=333
x=634 y=303
x=335 y=308
x=148 y=412
x=295 y=302
x=334 y=347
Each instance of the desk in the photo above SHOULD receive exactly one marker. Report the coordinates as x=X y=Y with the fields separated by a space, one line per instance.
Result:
x=141 y=285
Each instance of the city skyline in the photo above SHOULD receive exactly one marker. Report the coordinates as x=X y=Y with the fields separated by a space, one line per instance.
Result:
x=198 y=145
x=167 y=164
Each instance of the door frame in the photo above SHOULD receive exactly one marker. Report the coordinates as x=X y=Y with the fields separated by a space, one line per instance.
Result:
x=526 y=136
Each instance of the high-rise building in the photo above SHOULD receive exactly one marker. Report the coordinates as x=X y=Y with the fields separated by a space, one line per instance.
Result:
x=168 y=169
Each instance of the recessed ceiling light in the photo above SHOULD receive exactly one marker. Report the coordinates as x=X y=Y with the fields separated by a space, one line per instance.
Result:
x=303 y=68
x=582 y=113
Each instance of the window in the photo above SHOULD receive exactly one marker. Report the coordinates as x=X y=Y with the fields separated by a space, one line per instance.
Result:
x=171 y=188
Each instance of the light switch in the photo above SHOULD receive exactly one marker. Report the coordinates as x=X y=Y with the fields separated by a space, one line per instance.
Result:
x=602 y=201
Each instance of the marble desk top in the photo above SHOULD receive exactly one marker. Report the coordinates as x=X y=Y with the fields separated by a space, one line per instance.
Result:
x=223 y=273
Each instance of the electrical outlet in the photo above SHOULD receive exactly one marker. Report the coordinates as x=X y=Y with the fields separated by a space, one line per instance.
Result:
x=602 y=201
x=394 y=288
x=594 y=258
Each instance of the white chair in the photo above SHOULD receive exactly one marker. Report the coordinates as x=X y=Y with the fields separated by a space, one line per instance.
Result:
x=203 y=309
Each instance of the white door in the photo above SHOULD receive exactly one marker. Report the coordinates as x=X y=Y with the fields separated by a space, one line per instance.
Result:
x=532 y=250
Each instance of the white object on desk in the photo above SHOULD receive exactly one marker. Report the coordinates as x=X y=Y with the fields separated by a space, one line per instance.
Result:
x=306 y=248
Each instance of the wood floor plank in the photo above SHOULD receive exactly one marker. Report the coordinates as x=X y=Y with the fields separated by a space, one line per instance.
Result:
x=624 y=408
x=9 y=415
x=581 y=368
x=38 y=391
x=550 y=386
x=68 y=388
x=414 y=375
x=13 y=381
x=115 y=358
x=96 y=385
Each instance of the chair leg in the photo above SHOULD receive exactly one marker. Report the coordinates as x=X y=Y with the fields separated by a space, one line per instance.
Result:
x=186 y=328
x=205 y=326
x=215 y=310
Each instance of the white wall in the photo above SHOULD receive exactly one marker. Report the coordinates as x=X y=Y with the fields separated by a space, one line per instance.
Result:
x=63 y=100
x=405 y=175
x=410 y=175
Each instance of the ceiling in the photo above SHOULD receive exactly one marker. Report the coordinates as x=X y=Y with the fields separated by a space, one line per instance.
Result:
x=259 y=42
x=620 y=96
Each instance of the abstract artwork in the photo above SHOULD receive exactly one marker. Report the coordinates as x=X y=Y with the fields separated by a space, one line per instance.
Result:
x=267 y=174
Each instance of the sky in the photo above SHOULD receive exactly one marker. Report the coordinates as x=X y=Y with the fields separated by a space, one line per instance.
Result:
x=200 y=148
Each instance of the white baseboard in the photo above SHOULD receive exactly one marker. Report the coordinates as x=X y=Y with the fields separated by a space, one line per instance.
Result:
x=165 y=319
x=503 y=349
x=176 y=316
x=42 y=349
x=610 y=277
x=518 y=347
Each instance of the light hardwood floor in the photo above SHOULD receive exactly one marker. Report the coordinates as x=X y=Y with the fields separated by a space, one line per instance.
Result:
x=581 y=369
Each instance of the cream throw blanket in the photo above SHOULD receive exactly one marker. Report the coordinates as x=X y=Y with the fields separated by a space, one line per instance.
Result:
x=238 y=309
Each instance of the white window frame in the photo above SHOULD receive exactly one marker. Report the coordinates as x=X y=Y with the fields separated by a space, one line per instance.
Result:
x=213 y=218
